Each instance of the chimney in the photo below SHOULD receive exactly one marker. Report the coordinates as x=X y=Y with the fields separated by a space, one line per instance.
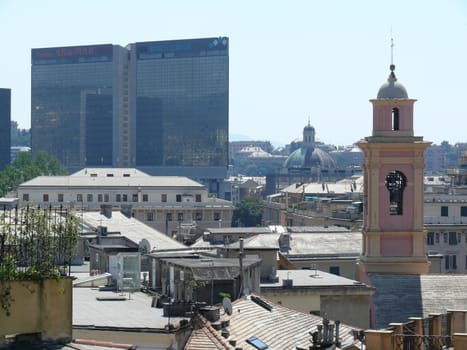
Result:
x=126 y=210
x=106 y=210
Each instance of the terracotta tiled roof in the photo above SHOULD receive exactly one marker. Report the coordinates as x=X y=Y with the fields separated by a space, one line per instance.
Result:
x=206 y=337
x=277 y=326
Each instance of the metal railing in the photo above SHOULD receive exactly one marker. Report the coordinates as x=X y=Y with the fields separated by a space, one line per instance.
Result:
x=36 y=243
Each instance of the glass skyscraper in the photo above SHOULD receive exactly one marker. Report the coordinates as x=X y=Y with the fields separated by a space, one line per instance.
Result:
x=73 y=103
x=182 y=103
x=5 y=127
x=161 y=106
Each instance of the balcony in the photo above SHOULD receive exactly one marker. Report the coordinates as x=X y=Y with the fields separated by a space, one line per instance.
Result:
x=445 y=220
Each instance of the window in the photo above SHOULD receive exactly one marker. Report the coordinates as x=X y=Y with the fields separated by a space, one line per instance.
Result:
x=445 y=237
x=437 y=237
x=25 y=197
x=217 y=216
x=395 y=119
x=145 y=198
x=450 y=262
x=444 y=211
x=99 y=197
x=198 y=198
x=430 y=238
x=257 y=343
x=198 y=216
x=124 y=198
x=178 y=198
x=60 y=197
x=463 y=211
x=149 y=216
x=89 y=197
x=168 y=217
x=45 y=197
x=106 y=197
x=452 y=238
x=118 y=198
x=79 y=197
x=163 y=198
x=334 y=270
x=395 y=183
x=134 y=197
x=180 y=216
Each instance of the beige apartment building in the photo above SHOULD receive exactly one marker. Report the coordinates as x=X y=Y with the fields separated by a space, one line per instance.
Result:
x=171 y=204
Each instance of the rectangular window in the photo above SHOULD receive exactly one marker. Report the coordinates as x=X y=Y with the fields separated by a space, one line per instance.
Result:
x=79 y=197
x=217 y=216
x=25 y=197
x=452 y=238
x=430 y=238
x=124 y=198
x=134 y=197
x=106 y=197
x=89 y=197
x=444 y=211
x=445 y=237
x=178 y=198
x=149 y=216
x=198 y=198
x=45 y=197
x=99 y=197
x=163 y=198
x=463 y=211
x=180 y=216
x=118 y=198
x=60 y=197
x=145 y=198
x=198 y=216
x=168 y=217
x=437 y=237
x=450 y=263
x=334 y=270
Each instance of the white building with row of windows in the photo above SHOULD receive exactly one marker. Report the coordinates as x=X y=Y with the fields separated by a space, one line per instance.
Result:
x=167 y=203
x=445 y=220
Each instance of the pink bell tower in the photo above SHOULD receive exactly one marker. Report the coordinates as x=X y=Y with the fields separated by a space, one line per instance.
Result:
x=393 y=230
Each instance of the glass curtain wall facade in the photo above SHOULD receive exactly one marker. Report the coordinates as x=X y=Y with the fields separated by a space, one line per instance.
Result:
x=5 y=127
x=72 y=104
x=182 y=103
x=160 y=106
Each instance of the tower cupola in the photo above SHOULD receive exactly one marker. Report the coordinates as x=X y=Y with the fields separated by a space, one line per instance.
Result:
x=392 y=88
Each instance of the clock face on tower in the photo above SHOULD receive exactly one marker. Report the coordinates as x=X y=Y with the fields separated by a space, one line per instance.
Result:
x=395 y=183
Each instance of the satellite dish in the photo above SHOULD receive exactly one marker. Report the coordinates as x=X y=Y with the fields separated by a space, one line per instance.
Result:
x=227 y=306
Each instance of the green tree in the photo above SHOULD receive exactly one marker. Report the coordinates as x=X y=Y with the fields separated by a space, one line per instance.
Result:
x=26 y=167
x=247 y=213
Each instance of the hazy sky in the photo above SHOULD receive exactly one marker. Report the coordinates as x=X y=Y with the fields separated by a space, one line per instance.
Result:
x=289 y=60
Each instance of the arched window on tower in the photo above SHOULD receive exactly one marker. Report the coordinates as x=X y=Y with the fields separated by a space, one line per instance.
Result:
x=395 y=183
x=395 y=118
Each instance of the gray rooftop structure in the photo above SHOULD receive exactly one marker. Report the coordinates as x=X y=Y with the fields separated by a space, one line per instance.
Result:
x=213 y=269
x=399 y=297
x=313 y=244
x=132 y=229
x=111 y=177
x=310 y=279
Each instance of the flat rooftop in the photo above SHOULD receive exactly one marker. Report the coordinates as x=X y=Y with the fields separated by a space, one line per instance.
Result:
x=134 y=311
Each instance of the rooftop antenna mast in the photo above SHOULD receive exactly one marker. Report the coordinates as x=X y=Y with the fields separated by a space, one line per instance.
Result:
x=392 y=49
